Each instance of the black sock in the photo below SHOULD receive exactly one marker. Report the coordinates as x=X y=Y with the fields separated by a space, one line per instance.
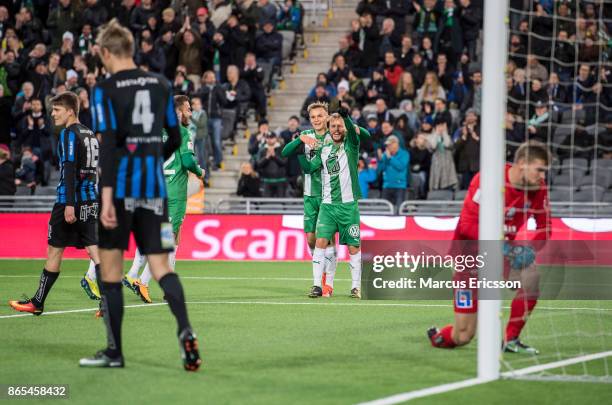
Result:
x=47 y=279
x=173 y=291
x=98 y=278
x=112 y=306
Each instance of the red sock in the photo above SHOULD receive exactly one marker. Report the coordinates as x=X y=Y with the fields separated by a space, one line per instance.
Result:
x=519 y=311
x=444 y=338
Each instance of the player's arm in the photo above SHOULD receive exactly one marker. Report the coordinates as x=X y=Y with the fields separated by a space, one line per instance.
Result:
x=172 y=128
x=351 y=134
x=188 y=159
x=68 y=140
x=363 y=133
x=541 y=214
x=292 y=147
x=310 y=166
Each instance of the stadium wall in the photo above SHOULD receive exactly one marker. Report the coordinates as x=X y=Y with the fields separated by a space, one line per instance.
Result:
x=272 y=237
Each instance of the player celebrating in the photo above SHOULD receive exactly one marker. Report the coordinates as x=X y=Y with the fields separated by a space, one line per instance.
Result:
x=526 y=195
x=337 y=162
x=176 y=172
x=130 y=108
x=73 y=219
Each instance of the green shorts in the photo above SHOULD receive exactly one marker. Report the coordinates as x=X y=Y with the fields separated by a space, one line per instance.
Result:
x=311 y=213
x=342 y=218
x=176 y=213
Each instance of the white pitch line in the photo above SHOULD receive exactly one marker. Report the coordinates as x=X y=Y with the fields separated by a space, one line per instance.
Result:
x=73 y=311
x=439 y=389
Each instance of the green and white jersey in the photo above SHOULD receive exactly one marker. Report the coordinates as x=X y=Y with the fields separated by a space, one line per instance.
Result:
x=175 y=170
x=312 y=182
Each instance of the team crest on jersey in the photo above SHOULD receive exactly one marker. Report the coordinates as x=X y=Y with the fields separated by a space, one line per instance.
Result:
x=354 y=231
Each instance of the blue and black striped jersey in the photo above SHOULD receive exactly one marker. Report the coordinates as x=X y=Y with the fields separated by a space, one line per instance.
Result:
x=129 y=111
x=78 y=154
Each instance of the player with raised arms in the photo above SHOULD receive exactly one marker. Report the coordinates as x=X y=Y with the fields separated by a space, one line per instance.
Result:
x=176 y=172
x=337 y=161
x=74 y=216
x=526 y=196
x=130 y=108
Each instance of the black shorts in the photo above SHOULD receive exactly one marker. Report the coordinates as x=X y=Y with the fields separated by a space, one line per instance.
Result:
x=147 y=218
x=82 y=233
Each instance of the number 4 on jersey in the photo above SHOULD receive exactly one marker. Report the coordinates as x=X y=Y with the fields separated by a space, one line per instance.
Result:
x=142 y=111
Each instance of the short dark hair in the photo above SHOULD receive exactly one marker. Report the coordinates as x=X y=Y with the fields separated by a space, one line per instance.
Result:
x=68 y=100
x=180 y=100
x=532 y=150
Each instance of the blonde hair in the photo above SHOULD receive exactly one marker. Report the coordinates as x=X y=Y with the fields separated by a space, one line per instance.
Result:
x=116 y=38
x=402 y=85
x=318 y=104
x=429 y=91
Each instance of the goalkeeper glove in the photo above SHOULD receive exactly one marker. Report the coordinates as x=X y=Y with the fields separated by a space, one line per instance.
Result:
x=520 y=256
x=344 y=113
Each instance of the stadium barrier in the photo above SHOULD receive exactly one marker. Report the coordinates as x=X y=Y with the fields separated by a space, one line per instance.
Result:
x=274 y=237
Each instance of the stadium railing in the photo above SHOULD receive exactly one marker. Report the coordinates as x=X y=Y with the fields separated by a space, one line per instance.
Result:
x=291 y=206
x=558 y=209
x=315 y=11
x=27 y=203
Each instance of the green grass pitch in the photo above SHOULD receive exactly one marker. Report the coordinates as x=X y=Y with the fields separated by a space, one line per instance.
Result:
x=264 y=342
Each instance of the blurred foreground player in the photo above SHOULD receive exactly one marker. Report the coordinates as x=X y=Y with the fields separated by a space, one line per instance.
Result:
x=130 y=108
x=526 y=195
x=74 y=216
x=176 y=173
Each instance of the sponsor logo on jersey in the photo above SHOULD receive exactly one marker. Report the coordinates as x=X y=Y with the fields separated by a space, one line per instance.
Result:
x=463 y=299
x=88 y=211
x=354 y=231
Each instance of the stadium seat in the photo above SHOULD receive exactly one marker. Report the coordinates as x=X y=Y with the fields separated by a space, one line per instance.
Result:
x=570 y=117
x=22 y=190
x=576 y=164
x=599 y=178
x=561 y=194
x=440 y=195
x=288 y=39
x=229 y=118
x=607 y=197
x=568 y=178
x=47 y=190
x=589 y=194
x=267 y=73
x=601 y=165
x=460 y=195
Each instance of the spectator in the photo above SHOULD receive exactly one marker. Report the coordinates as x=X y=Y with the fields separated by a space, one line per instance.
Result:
x=140 y=16
x=382 y=112
x=181 y=84
x=6 y=118
x=320 y=96
x=165 y=43
x=220 y=12
x=473 y=99
x=258 y=139
x=213 y=100
x=515 y=135
x=269 y=46
x=367 y=174
x=330 y=88
x=442 y=174
x=338 y=71
x=537 y=126
x=293 y=166
x=253 y=74
x=267 y=12
x=64 y=17
x=22 y=104
x=84 y=110
x=397 y=10
x=470 y=18
x=467 y=149
x=390 y=38
x=237 y=93
x=26 y=173
x=169 y=20
x=232 y=43
x=406 y=52
x=430 y=90
x=94 y=13
x=124 y=12
x=379 y=87
x=366 y=36
x=534 y=69
x=86 y=39
x=248 y=183
x=393 y=164
x=67 y=51
x=151 y=56
x=517 y=51
x=189 y=45
x=449 y=38
x=441 y=113
x=352 y=56
x=426 y=19
x=374 y=7
x=201 y=143
x=564 y=56
x=427 y=53
x=290 y=16
x=33 y=130
x=420 y=162
x=444 y=71
x=7 y=172
x=271 y=166
x=29 y=27
x=4 y=20
x=393 y=71
x=357 y=89
x=557 y=94
x=418 y=70
x=343 y=98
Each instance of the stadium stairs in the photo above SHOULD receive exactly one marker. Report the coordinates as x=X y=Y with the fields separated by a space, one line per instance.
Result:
x=286 y=100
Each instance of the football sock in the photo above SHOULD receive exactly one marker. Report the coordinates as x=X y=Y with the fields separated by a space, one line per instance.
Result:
x=139 y=261
x=444 y=338
x=355 y=266
x=318 y=266
x=47 y=279
x=98 y=278
x=173 y=293
x=91 y=272
x=112 y=307
x=330 y=265
x=145 y=277
x=520 y=309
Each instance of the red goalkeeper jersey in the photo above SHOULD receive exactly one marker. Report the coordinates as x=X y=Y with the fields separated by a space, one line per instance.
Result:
x=519 y=206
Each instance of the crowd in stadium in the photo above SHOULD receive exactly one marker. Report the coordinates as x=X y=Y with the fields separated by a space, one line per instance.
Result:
x=222 y=54
x=410 y=72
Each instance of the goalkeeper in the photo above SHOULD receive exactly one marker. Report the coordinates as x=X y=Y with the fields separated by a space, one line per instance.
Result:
x=526 y=196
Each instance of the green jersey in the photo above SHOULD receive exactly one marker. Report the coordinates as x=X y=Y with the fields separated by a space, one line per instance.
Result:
x=178 y=166
x=312 y=181
x=337 y=165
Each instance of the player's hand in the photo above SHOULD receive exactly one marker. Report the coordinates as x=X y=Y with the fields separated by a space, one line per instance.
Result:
x=69 y=214
x=310 y=142
x=344 y=113
x=108 y=217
